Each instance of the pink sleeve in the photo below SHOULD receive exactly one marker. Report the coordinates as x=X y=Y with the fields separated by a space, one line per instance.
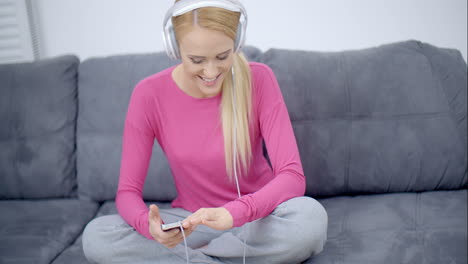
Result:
x=276 y=129
x=137 y=145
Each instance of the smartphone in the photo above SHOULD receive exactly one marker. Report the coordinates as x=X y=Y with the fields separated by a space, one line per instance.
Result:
x=167 y=227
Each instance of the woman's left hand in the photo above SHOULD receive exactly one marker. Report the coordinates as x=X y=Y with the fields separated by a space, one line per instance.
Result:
x=218 y=218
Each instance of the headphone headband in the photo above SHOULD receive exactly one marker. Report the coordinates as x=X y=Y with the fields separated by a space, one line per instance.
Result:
x=185 y=6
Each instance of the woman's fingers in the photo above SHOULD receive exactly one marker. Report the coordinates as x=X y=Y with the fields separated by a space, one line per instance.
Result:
x=154 y=213
x=154 y=221
x=195 y=219
x=217 y=218
x=167 y=235
x=172 y=241
x=177 y=238
x=169 y=238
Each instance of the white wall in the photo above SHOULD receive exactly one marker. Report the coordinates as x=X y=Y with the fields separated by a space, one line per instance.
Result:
x=91 y=28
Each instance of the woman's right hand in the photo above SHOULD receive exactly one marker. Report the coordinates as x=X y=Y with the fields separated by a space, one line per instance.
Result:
x=170 y=238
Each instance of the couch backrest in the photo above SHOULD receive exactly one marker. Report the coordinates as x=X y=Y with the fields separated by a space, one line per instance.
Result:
x=37 y=131
x=105 y=86
x=385 y=119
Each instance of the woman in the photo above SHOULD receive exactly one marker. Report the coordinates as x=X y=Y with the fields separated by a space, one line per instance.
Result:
x=188 y=108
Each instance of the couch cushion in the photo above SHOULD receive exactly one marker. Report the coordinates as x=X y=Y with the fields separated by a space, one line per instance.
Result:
x=74 y=253
x=428 y=227
x=105 y=86
x=36 y=231
x=385 y=119
x=37 y=135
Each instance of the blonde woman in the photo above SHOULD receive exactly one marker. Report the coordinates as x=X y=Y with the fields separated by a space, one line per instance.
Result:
x=188 y=109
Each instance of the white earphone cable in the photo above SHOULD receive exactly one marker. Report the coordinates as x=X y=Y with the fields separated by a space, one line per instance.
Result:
x=185 y=242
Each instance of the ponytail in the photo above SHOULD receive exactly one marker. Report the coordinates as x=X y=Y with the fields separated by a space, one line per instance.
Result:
x=243 y=108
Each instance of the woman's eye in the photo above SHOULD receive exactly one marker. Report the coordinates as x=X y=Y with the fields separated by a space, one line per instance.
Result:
x=222 y=58
x=197 y=61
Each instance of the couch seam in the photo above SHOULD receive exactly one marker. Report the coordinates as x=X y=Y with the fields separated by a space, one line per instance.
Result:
x=417 y=218
x=80 y=234
x=75 y=130
x=416 y=211
x=343 y=227
x=14 y=134
x=349 y=121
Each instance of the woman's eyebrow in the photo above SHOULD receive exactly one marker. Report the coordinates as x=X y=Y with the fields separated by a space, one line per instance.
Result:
x=202 y=57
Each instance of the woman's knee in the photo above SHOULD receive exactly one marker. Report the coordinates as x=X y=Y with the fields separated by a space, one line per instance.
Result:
x=94 y=238
x=311 y=224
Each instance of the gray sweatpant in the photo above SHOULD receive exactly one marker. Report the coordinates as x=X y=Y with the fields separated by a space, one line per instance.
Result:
x=293 y=232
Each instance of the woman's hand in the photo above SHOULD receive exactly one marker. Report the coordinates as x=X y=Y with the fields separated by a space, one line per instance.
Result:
x=218 y=218
x=169 y=238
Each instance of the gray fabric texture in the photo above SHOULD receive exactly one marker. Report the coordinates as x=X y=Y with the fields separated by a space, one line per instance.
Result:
x=37 y=231
x=37 y=135
x=105 y=88
x=74 y=254
x=385 y=119
x=400 y=228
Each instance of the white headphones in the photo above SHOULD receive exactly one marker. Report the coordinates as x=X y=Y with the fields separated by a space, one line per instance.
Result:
x=184 y=6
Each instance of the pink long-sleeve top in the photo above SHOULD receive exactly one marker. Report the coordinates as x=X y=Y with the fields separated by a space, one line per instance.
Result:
x=189 y=132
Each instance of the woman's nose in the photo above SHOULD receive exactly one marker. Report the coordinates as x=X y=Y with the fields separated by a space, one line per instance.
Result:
x=211 y=70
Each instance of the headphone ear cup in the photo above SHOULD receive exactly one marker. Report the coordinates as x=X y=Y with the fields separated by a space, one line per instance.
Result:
x=170 y=42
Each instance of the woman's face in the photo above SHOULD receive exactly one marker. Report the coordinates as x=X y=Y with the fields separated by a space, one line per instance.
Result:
x=207 y=56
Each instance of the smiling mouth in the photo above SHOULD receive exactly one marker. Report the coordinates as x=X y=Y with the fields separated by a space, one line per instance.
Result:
x=209 y=80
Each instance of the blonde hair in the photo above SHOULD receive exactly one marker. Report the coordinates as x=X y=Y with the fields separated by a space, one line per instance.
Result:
x=227 y=22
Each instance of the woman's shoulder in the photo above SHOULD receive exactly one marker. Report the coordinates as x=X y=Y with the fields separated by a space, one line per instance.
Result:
x=264 y=83
x=259 y=68
x=260 y=72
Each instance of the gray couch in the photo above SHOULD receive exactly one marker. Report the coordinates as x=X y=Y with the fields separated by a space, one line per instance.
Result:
x=382 y=134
